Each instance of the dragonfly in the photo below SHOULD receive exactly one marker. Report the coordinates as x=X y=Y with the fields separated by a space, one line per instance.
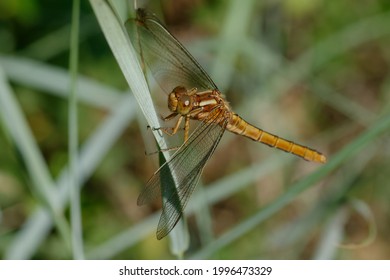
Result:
x=192 y=96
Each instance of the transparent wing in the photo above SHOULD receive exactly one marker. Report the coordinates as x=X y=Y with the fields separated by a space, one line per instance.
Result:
x=171 y=64
x=187 y=163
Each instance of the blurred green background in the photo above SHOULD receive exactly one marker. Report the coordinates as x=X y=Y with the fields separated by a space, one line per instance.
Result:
x=315 y=72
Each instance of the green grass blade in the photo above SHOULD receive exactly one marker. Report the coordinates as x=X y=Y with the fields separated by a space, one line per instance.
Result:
x=75 y=208
x=54 y=80
x=234 y=30
x=58 y=40
x=126 y=57
x=42 y=183
x=340 y=186
x=126 y=239
x=38 y=226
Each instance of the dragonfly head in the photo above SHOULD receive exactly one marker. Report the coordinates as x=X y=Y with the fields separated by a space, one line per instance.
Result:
x=179 y=101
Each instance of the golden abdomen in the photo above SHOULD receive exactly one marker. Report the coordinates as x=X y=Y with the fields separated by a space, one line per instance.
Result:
x=239 y=126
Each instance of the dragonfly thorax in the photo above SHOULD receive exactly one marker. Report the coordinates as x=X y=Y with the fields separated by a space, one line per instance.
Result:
x=180 y=100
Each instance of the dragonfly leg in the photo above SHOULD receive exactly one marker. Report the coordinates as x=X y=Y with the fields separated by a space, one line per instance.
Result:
x=173 y=132
x=192 y=91
x=170 y=130
x=169 y=117
x=167 y=131
x=175 y=128
x=162 y=150
x=186 y=128
x=195 y=112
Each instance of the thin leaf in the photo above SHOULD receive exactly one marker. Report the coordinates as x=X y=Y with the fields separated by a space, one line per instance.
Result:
x=75 y=208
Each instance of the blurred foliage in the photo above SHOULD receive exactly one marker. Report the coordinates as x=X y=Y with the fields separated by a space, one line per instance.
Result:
x=310 y=70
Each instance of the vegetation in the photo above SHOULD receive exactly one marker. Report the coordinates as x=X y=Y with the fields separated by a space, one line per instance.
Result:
x=315 y=72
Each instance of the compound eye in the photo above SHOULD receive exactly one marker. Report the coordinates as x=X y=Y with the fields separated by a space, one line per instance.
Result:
x=186 y=101
x=185 y=105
